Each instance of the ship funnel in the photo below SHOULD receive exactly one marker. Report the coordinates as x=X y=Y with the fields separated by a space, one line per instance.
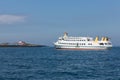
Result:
x=65 y=35
x=103 y=38
x=106 y=39
x=96 y=39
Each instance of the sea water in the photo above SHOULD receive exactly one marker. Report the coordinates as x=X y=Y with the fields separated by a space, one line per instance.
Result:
x=47 y=63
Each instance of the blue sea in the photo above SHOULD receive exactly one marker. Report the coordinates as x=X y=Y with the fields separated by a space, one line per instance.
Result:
x=47 y=63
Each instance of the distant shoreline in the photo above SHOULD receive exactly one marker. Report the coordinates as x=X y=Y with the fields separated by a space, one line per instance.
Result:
x=22 y=46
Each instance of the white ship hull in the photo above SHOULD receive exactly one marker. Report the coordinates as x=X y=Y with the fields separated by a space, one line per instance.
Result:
x=82 y=47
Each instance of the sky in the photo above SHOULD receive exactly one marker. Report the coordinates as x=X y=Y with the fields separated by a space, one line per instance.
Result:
x=43 y=21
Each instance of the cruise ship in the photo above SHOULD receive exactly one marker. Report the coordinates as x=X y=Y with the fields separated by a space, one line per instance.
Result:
x=82 y=43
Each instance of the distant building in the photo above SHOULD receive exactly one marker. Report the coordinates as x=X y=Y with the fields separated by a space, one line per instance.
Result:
x=21 y=43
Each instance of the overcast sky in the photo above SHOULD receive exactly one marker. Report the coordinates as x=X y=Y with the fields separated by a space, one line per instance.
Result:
x=43 y=21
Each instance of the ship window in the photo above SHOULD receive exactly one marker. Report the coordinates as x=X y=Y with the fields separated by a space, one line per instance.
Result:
x=83 y=43
x=89 y=43
x=101 y=43
x=88 y=39
x=105 y=43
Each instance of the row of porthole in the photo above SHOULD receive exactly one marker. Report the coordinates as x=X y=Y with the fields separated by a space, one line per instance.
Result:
x=78 y=43
x=105 y=43
x=74 y=40
x=73 y=43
